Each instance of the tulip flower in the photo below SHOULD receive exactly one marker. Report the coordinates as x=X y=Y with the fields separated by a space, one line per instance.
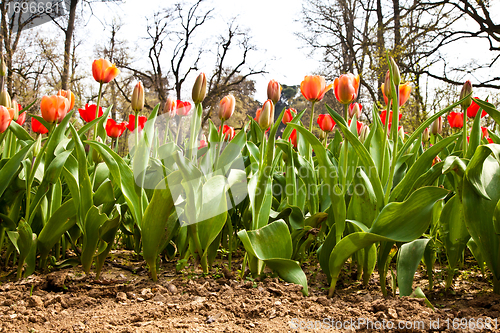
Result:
x=355 y=109
x=199 y=89
x=5 y=99
x=169 y=108
x=466 y=90
x=359 y=126
x=474 y=108
x=383 y=115
x=266 y=116
x=425 y=135
x=325 y=122
x=5 y=118
x=131 y=122
x=138 y=97
x=115 y=130
x=288 y=116
x=365 y=131
x=88 y=113
x=228 y=132
x=226 y=107
x=293 y=138
x=404 y=93
x=37 y=127
x=346 y=88
x=490 y=140
x=436 y=160
x=21 y=119
x=484 y=132
x=437 y=126
x=395 y=71
x=202 y=144
x=54 y=108
x=257 y=114
x=68 y=94
x=103 y=71
x=314 y=87
x=456 y=119
x=182 y=108
x=274 y=91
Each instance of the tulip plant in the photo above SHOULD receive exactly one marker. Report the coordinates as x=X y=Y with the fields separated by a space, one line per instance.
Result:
x=368 y=193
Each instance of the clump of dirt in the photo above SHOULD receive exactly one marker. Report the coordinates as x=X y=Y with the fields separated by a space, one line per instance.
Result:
x=126 y=300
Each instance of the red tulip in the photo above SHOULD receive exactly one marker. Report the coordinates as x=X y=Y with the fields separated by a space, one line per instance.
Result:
x=359 y=126
x=202 y=144
x=490 y=140
x=474 y=108
x=5 y=118
x=169 y=108
x=325 y=122
x=88 y=113
x=131 y=122
x=54 y=108
x=456 y=119
x=485 y=133
x=314 y=87
x=21 y=119
x=288 y=116
x=404 y=93
x=346 y=88
x=37 y=127
x=103 y=71
x=355 y=109
x=383 y=115
x=228 y=132
x=113 y=129
x=293 y=138
x=182 y=108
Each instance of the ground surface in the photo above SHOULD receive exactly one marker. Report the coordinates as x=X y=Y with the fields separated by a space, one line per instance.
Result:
x=125 y=301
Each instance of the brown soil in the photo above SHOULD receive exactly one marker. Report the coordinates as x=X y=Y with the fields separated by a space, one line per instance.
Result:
x=123 y=301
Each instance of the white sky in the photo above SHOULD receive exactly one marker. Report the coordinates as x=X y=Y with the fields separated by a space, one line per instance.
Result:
x=271 y=24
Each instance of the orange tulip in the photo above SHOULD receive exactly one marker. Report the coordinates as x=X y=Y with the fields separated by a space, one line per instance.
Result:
x=314 y=87
x=346 y=88
x=274 y=91
x=103 y=71
x=293 y=138
x=404 y=93
x=54 y=108
x=5 y=118
x=69 y=96
x=325 y=122
x=288 y=116
x=228 y=132
x=266 y=116
x=355 y=109
x=226 y=107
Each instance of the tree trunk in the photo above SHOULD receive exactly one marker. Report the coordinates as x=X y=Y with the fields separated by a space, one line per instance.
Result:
x=380 y=48
x=67 y=44
x=397 y=30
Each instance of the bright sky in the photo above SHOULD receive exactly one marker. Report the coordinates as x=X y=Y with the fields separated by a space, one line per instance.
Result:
x=271 y=24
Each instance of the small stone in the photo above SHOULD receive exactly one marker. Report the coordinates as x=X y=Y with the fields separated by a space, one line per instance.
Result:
x=277 y=303
x=79 y=326
x=392 y=313
x=227 y=273
x=121 y=296
x=172 y=288
x=159 y=298
x=35 y=301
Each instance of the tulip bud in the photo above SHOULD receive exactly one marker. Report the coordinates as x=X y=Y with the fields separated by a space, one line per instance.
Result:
x=466 y=90
x=365 y=131
x=5 y=99
x=425 y=135
x=395 y=72
x=274 y=91
x=138 y=97
x=199 y=89
x=401 y=133
x=169 y=108
x=38 y=146
x=288 y=116
x=355 y=109
x=96 y=157
x=15 y=107
x=437 y=126
x=226 y=107
x=387 y=85
x=3 y=66
x=266 y=115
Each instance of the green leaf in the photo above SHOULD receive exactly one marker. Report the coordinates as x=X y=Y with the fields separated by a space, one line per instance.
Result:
x=20 y=132
x=490 y=109
x=475 y=170
x=60 y=222
x=11 y=168
x=409 y=257
x=93 y=222
x=363 y=204
x=273 y=245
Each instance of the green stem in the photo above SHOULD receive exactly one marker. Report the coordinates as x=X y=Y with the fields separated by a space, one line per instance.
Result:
x=311 y=121
x=346 y=151
x=166 y=131
x=219 y=144
x=394 y=132
x=193 y=230
x=178 y=131
x=97 y=109
x=464 y=133
x=384 y=142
